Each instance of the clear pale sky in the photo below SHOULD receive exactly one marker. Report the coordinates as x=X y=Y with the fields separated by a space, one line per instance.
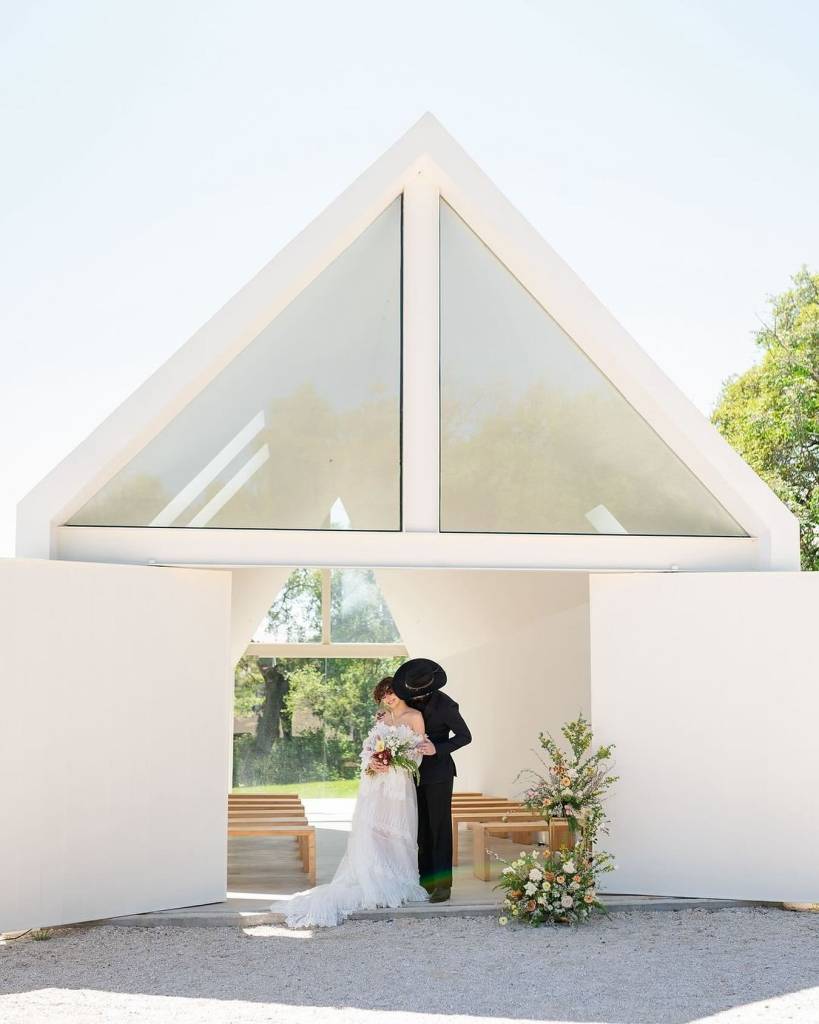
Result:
x=155 y=155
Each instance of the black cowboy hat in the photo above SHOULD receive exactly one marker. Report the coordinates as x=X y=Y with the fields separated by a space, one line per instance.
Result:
x=417 y=678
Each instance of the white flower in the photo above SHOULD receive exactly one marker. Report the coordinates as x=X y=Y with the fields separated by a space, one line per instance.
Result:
x=543 y=900
x=530 y=888
x=566 y=901
x=574 y=885
x=508 y=870
x=503 y=920
x=569 y=866
x=536 y=874
x=572 y=773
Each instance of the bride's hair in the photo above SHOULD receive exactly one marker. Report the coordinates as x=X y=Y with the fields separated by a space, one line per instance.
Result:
x=382 y=689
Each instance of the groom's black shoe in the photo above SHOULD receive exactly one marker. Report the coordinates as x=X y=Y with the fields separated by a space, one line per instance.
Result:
x=439 y=895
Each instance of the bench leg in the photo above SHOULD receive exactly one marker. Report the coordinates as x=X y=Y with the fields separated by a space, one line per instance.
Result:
x=311 y=857
x=480 y=856
x=456 y=851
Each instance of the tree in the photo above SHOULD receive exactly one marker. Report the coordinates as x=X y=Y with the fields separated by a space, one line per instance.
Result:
x=260 y=689
x=274 y=712
x=338 y=691
x=770 y=413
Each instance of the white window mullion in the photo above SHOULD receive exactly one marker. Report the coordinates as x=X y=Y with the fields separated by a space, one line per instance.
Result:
x=421 y=420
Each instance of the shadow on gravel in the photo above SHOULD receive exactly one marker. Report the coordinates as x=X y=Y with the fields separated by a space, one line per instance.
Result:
x=634 y=968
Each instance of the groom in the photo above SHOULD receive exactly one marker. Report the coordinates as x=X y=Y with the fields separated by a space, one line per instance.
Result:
x=418 y=682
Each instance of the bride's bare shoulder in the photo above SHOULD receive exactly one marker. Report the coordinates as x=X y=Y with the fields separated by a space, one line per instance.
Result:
x=416 y=720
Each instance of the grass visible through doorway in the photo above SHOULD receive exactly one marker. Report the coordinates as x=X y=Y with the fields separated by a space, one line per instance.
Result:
x=335 y=788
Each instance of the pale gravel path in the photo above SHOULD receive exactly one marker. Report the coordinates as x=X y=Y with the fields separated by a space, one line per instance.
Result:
x=729 y=966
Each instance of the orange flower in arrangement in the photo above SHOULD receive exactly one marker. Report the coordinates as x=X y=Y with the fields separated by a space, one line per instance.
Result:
x=560 y=879
x=576 y=879
x=515 y=894
x=588 y=898
x=531 y=906
x=549 y=876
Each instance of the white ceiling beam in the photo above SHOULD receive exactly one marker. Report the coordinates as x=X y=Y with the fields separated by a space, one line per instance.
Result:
x=350 y=548
x=374 y=651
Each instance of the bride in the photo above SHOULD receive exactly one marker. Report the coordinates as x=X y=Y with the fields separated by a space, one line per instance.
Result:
x=380 y=865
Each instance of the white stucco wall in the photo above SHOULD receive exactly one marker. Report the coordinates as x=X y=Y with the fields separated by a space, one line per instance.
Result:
x=515 y=647
x=114 y=742
x=708 y=685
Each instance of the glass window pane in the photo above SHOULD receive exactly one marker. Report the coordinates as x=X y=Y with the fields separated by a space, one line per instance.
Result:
x=295 y=615
x=358 y=611
x=302 y=429
x=534 y=438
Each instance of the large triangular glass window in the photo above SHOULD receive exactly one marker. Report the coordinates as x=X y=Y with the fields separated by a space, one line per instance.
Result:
x=301 y=430
x=534 y=437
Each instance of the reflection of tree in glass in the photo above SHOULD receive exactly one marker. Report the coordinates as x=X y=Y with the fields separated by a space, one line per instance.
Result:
x=126 y=500
x=359 y=613
x=316 y=453
x=539 y=462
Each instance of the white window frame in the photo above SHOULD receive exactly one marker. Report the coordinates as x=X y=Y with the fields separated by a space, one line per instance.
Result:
x=425 y=164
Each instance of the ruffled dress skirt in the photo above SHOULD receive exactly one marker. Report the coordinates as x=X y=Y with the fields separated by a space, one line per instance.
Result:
x=380 y=865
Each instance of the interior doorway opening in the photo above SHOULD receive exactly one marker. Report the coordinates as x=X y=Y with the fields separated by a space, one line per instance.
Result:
x=515 y=645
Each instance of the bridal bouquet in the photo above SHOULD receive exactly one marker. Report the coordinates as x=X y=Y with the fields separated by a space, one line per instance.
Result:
x=394 y=746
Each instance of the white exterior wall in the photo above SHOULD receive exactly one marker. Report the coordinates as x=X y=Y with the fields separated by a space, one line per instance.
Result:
x=708 y=684
x=515 y=646
x=114 y=743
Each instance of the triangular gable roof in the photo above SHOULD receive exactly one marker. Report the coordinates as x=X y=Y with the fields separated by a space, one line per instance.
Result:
x=427 y=151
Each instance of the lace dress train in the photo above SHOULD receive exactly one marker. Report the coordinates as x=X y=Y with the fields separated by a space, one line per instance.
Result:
x=380 y=865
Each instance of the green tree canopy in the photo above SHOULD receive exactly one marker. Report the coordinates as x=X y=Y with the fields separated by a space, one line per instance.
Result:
x=770 y=413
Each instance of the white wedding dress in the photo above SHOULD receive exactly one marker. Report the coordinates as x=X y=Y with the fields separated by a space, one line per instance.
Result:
x=380 y=865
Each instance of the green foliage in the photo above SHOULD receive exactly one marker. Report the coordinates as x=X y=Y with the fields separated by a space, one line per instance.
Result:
x=359 y=613
x=338 y=691
x=295 y=615
x=770 y=413
x=557 y=886
x=311 y=756
x=573 y=785
x=248 y=688
x=336 y=788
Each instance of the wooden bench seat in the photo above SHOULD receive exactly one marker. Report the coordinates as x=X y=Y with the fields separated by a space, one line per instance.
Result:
x=495 y=814
x=253 y=816
x=481 y=864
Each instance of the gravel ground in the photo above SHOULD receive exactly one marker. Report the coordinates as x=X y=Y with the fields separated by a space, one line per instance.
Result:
x=723 y=966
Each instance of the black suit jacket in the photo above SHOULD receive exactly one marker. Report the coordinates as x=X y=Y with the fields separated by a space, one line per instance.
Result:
x=441 y=717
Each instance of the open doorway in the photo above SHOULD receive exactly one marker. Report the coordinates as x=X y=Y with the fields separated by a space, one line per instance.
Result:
x=516 y=648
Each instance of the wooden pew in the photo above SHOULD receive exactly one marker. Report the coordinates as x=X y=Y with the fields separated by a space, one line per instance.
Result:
x=250 y=818
x=513 y=813
x=481 y=865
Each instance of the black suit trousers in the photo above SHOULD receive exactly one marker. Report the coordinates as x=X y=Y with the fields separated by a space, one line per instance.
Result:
x=435 y=834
